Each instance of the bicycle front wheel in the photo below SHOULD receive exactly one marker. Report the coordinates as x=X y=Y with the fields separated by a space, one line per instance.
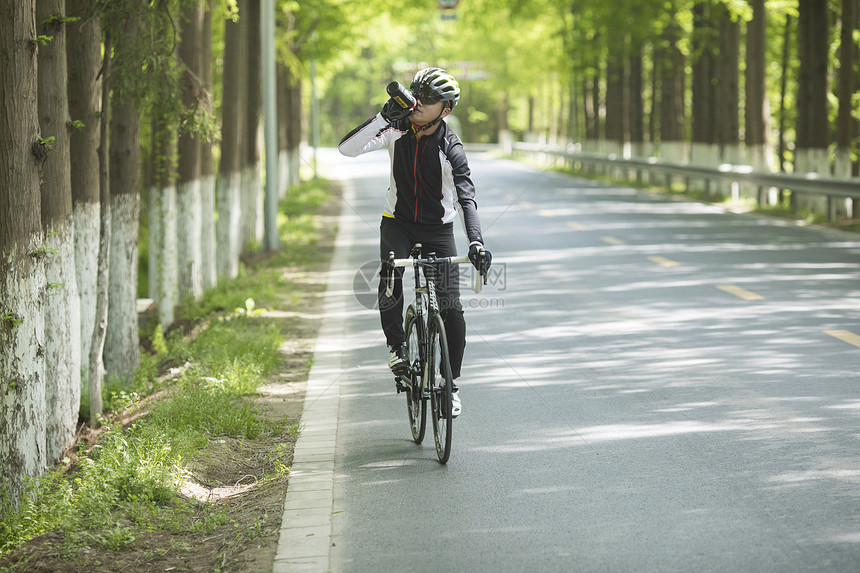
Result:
x=416 y=405
x=440 y=384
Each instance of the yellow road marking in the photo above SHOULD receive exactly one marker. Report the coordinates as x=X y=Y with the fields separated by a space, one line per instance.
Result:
x=546 y=213
x=526 y=204
x=739 y=292
x=663 y=261
x=612 y=240
x=577 y=226
x=845 y=336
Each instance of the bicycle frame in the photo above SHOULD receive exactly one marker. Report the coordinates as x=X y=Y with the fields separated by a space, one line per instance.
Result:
x=424 y=319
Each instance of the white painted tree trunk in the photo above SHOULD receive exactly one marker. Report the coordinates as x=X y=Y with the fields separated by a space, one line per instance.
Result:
x=207 y=227
x=251 y=212
x=228 y=226
x=842 y=169
x=703 y=155
x=22 y=366
x=812 y=161
x=284 y=173
x=188 y=232
x=87 y=231
x=62 y=341
x=122 y=341
x=639 y=150
x=156 y=235
x=731 y=155
x=295 y=167
x=163 y=276
x=673 y=152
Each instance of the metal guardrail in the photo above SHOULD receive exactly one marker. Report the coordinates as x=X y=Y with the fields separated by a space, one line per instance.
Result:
x=810 y=183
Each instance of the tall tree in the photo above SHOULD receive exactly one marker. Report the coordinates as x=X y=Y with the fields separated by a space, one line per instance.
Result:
x=703 y=148
x=95 y=360
x=727 y=93
x=671 y=63
x=163 y=271
x=83 y=49
x=252 y=195
x=207 y=162
x=228 y=197
x=122 y=351
x=62 y=306
x=188 y=199
x=846 y=125
x=22 y=255
x=616 y=116
x=755 y=100
x=165 y=110
x=812 y=129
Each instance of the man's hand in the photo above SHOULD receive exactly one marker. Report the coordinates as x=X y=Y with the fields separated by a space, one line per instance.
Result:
x=481 y=258
x=392 y=111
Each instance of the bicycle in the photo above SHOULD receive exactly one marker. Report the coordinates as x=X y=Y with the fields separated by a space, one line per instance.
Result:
x=429 y=371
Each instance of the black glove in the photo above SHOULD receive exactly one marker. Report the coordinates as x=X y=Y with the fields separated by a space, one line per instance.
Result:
x=481 y=258
x=392 y=111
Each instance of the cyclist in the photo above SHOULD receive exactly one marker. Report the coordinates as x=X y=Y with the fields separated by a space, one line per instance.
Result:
x=430 y=180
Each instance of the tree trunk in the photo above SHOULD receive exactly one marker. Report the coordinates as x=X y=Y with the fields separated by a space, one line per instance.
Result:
x=188 y=201
x=615 y=109
x=636 y=103
x=812 y=127
x=294 y=127
x=672 y=108
x=95 y=361
x=163 y=272
x=22 y=268
x=230 y=171
x=283 y=128
x=845 y=123
x=252 y=196
x=207 y=162
x=727 y=94
x=704 y=150
x=783 y=87
x=122 y=352
x=83 y=49
x=62 y=306
x=755 y=103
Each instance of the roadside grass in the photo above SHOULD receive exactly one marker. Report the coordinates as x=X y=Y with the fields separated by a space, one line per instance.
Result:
x=195 y=396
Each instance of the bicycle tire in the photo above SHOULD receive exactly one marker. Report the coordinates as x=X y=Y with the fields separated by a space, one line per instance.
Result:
x=440 y=384
x=416 y=405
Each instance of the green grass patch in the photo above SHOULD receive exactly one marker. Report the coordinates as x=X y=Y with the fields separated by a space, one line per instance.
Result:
x=128 y=483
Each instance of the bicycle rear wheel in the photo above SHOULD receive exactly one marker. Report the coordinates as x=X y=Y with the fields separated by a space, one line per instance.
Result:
x=416 y=405
x=440 y=384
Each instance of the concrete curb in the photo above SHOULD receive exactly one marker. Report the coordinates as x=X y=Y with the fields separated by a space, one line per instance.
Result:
x=305 y=536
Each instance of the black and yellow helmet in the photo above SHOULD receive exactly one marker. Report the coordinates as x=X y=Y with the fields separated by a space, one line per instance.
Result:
x=434 y=84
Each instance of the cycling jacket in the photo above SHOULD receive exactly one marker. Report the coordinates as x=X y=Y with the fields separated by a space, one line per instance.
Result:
x=430 y=177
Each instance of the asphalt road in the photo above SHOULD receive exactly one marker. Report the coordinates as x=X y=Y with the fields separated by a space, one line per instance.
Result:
x=650 y=384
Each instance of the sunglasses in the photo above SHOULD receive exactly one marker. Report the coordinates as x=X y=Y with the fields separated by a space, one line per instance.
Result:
x=424 y=93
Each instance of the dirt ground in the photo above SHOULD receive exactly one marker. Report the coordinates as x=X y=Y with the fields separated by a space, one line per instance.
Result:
x=227 y=476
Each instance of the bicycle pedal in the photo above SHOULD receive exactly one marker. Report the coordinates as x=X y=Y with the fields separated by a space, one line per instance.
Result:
x=401 y=387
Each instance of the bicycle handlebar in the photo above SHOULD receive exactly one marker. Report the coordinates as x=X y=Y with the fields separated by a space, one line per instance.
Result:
x=408 y=262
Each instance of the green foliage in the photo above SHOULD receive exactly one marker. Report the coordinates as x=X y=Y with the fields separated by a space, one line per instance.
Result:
x=13 y=319
x=48 y=142
x=59 y=20
x=42 y=40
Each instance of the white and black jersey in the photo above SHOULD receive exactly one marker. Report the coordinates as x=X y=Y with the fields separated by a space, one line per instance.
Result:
x=430 y=176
